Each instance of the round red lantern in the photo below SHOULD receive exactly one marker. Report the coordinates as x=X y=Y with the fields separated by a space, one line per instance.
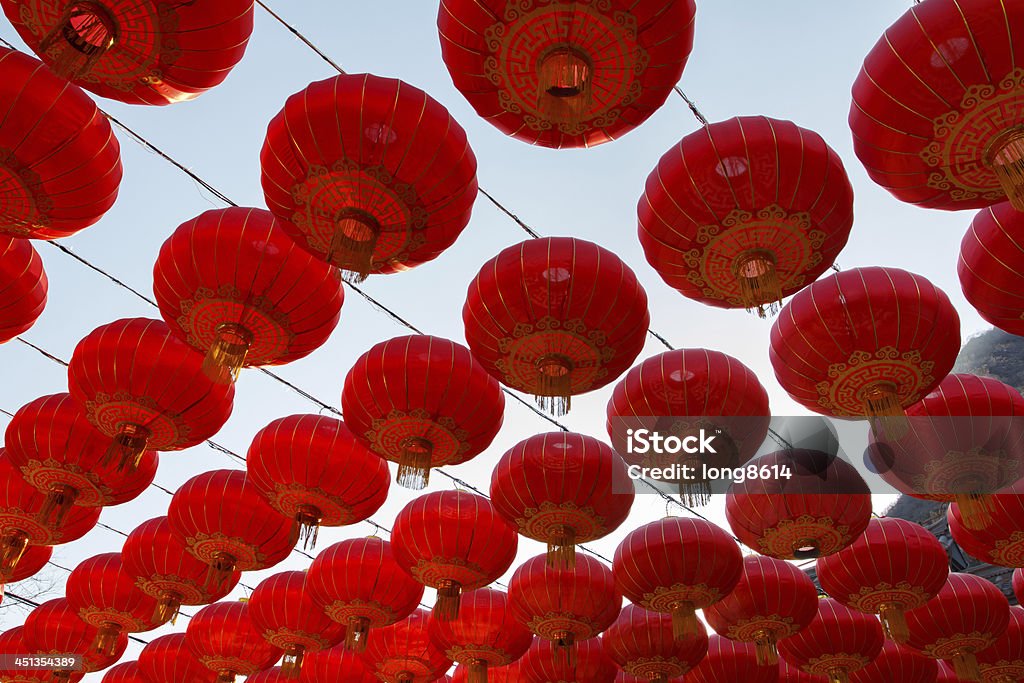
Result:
x=359 y=584
x=484 y=635
x=967 y=616
x=105 y=596
x=731 y=661
x=54 y=628
x=566 y=74
x=543 y=663
x=897 y=663
x=236 y=287
x=818 y=507
x=422 y=402
x=404 y=653
x=223 y=521
x=335 y=665
x=682 y=391
x=1003 y=662
x=21 y=525
x=282 y=609
x=453 y=541
x=13 y=641
x=838 y=642
x=58 y=452
x=224 y=640
x=23 y=285
x=165 y=570
x=556 y=317
x=562 y=489
x=128 y=672
x=937 y=108
x=744 y=212
x=142 y=387
x=313 y=469
x=168 y=658
x=370 y=174
x=642 y=644
x=991 y=265
x=893 y=567
x=564 y=605
x=677 y=565
x=772 y=601
x=1000 y=540
x=865 y=342
x=137 y=53
x=64 y=181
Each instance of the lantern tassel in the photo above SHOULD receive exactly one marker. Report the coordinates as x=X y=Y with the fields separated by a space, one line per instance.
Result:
x=57 y=505
x=220 y=570
x=478 y=671
x=61 y=675
x=353 y=244
x=894 y=622
x=760 y=289
x=308 y=518
x=167 y=608
x=226 y=677
x=562 y=547
x=356 y=634
x=106 y=639
x=564 y=88
x=449 y=593
x=882 y=406
x=565 y=647
x=975 y=510
x=838 y=676
x=1008 y=165
x=291 y=664
x=695 y=490
x=226 y=356
x=659 y=677
x=684 y=620
x=765 y=648
x=11 y=550
x=965 y=664
x=84 y=33
x=554 y=384
x=414 y=464
x=127 y=447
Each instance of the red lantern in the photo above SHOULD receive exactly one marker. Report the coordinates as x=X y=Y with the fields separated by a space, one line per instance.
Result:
x=139 y=54
x=165 y=570
x=59 y=453
x=937 y=109
x=105 y=596
x=53 y=628
x=1003 y=662
x=453 y=541
x=335 y=665
x=143 y=388
x=21 y=525
x=556 y=317
x=818 y=507
x=867 y=341
x=542 y=663
x=313 y=469
x=484 y=635
x=1000 y=540
x=893 y=567
x=422 y=402
x=125 y=673
x=837 y=643
x=991 y=266
x=282 y=609
x=562 y=489
x=60 y=182
x=12 y=641
x=359 y=584
x=677 y=565
x=745 y=212
x=404 y=653
x=718 y=392
x=564 y=605
x=730 y=661
x=772 y=601
x=168 y=658
x=224 y=640
x=234 y=285
x=566 y=74
x=897 y=663
x=641 y=642
x=968 y=615
x=370 y=174
x=223 y=521
x=23 y=285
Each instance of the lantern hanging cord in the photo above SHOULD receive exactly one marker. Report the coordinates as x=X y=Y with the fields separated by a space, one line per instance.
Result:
x=692 y=105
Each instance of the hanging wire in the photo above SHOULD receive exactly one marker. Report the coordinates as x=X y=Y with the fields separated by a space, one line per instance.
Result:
x=692 y=105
